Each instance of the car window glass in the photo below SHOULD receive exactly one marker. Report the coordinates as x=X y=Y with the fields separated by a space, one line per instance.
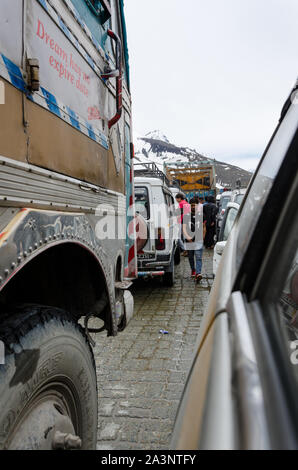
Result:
x=167 y=210
x=170 y=202
x=263 y=181
x=239 y=198
x=231 y=216
x=224 y=202
x=142 y=202
x=288 y=314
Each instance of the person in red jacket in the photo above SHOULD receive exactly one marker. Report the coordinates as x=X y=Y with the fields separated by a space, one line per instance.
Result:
x=184 y=209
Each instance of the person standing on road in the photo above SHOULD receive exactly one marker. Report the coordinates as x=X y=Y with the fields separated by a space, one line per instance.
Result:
x=194 y=230
x=184 y=209
x=210 y=211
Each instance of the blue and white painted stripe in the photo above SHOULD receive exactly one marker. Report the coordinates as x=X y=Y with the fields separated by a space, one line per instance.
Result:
x=14 y=75
x=73 y=39
x=85 y=28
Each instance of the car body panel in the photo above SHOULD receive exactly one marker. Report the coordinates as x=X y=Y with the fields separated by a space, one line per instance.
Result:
x=246 y=400
x=192 y=406
x=218 y=249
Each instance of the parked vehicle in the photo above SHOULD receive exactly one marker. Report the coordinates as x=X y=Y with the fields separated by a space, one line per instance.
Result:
x=155 y=204
x=225 y=198
x=238 y=195
x=226 y=226
x=241 y=392
x=175 y=190
x=65 y=154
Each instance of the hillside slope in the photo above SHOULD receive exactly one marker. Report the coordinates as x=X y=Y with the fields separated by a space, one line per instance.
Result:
x=155 y=147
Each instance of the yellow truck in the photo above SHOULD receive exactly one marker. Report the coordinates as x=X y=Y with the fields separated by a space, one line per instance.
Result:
x=193 y=179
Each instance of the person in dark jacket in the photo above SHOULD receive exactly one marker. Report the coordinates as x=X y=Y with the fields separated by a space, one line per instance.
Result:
x=210 y=211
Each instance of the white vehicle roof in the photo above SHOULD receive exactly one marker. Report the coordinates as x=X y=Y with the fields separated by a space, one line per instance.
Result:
x=233 y=204
x=226 y=193
x=239 y=191
x=139 y=180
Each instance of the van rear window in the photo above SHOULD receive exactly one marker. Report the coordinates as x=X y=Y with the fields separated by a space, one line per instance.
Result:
x=142 y=201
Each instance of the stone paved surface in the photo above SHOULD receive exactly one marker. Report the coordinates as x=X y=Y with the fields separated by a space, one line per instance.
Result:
x=141 y=373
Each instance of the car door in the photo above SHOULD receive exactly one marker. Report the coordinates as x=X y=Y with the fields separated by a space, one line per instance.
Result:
x=242 y=390
x=262 y=337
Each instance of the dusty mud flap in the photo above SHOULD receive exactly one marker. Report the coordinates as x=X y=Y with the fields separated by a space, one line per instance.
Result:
x=125 y=309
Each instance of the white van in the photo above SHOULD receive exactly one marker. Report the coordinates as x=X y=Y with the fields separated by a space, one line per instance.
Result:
x=158 y=226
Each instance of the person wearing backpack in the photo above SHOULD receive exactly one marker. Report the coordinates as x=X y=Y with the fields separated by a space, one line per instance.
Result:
x=210 y=211
x=194 y=230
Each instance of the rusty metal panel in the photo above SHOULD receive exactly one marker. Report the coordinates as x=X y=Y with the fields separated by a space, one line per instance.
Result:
x=13 y=140
x=116 y=180
x=57 y=146
x=26 y=185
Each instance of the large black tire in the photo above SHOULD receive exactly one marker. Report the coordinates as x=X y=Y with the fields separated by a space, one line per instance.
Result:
x=48 y=382
x=169 y=277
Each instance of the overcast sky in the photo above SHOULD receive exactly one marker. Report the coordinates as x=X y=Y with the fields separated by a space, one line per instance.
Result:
x=212 y=74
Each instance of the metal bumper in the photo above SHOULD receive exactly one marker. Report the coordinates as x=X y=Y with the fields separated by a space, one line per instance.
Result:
x=150 y=273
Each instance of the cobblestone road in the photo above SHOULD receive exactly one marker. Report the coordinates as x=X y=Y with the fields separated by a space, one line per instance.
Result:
x=141 y=373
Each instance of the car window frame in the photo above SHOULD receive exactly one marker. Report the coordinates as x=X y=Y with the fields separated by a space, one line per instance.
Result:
x=223 y=226
x=259 y=241
x=147 y=191
x=260 y=279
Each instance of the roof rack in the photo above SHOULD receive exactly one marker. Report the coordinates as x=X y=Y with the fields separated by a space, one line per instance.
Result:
x=150 y=169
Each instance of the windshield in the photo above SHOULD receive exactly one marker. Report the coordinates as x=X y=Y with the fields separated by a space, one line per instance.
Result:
x=263 y=181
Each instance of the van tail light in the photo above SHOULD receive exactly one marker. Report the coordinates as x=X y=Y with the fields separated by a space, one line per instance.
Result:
x=160 y=242
x=223 y=211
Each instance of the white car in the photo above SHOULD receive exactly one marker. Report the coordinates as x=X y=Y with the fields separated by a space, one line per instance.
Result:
x=226 y=226
x=238 y=195
x=156 y=208
x=225 y=198
x=242 y=388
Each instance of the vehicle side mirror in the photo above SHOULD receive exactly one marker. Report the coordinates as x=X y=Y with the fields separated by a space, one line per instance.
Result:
x=219 y=247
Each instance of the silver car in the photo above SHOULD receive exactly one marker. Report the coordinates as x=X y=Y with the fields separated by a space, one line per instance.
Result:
x=242 y=389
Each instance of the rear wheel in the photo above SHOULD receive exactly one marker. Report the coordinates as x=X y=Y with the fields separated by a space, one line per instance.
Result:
x=48 y=390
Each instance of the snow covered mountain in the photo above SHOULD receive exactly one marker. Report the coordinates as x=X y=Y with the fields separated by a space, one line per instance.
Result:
x=155 y=147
